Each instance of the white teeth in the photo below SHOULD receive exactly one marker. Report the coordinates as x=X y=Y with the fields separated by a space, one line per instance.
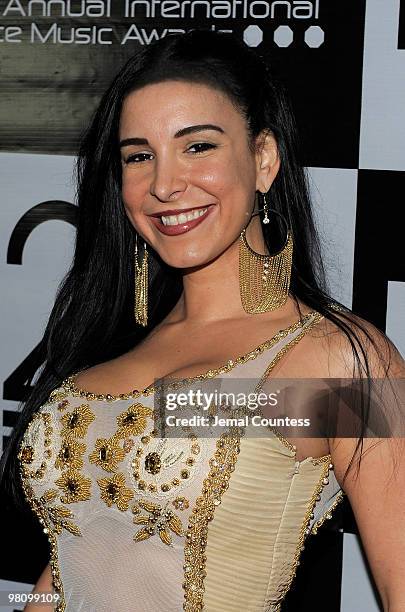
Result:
x=183 y=217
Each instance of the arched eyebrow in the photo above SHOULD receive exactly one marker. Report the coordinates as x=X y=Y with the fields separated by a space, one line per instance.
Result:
x=183 y=132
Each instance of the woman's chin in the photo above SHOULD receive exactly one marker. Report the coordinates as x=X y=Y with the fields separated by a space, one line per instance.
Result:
x=184 y=262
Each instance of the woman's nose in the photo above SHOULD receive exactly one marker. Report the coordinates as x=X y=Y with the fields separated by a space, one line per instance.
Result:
x=167 y=180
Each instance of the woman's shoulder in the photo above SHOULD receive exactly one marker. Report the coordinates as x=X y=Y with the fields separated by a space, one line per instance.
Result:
x=326 y=351
x=109 y=377
x=354 y=340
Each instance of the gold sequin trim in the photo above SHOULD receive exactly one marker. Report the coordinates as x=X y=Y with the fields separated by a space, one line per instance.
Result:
x=328 y=514
x=69 y=386
x=214 y=486
x=26 y=453
x=217 y=482
x=316 y=318
x=44 y=520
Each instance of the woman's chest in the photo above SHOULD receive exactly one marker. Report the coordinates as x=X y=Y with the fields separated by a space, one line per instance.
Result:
x=95 y=471
x=81 y=460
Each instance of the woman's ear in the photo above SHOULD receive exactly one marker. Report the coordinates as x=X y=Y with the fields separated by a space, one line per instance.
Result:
x=267 y=160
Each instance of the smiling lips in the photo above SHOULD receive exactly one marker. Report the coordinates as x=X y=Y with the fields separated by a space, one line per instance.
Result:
x=174 y=224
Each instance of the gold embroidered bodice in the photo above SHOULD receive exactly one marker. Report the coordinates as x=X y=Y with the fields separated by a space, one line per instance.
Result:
x=138 y=522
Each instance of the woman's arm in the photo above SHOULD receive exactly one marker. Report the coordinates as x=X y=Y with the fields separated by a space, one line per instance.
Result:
x=377 y=498
x=44 y=585
x=377 y=493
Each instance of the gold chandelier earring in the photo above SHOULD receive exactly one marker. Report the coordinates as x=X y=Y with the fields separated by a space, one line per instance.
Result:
x=264 y=280
x=141 y=286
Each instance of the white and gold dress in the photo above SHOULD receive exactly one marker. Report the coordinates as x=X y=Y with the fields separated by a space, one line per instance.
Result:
x=138 y=523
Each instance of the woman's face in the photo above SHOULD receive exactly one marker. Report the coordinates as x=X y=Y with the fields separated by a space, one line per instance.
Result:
x=184 y=149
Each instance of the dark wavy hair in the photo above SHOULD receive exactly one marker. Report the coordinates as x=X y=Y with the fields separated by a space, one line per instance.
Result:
x=92 y=319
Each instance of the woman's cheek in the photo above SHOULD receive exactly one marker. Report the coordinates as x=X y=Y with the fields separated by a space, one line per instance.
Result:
x=129 y=188
x=132 y=194
x=129 y=201
x=217 y=175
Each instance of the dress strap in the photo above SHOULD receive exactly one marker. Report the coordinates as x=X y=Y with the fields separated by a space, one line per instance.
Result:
x=264 y=357
x=287 y=343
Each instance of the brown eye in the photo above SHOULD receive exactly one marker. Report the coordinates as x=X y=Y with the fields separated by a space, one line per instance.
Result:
x=202 y=146
x=137 y=158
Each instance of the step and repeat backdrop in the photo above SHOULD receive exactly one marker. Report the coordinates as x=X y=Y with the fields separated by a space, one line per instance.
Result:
x=343 y=63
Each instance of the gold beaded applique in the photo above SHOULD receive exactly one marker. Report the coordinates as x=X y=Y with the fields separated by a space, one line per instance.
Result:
x=215 y=484
x=114 y=491
x=160 y=520
x=38 y=434
x=181 y=503
x=49 y=530
x=76 y=423
x=70 y=455
x=59 y=515
x=40 y=431
x=35 y=449
x=107 y=453
x=133 y=421
x=35 y=446
x=152 y=459
x=75 y=486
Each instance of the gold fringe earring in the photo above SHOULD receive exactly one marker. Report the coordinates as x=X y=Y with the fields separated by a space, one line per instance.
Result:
x=141 y=286
x=264 y=280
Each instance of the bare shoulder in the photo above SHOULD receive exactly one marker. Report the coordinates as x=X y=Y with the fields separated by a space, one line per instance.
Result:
x=332 y=350
x=107 y=377
x=336 y=349
x=325 y=351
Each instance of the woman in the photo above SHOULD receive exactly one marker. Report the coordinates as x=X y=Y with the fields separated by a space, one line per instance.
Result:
x=190 y=163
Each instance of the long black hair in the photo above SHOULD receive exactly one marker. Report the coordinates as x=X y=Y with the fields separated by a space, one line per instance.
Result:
x=92 y=319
